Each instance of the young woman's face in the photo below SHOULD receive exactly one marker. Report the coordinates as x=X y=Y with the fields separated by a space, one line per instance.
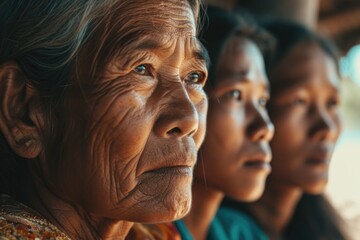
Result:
x=235 y=155
x=304 y=109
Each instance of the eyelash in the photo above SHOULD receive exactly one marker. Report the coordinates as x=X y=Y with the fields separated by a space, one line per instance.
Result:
x=145 y=71
x=200 y=78
x=333 y=103
x=299 y=101
x=263 y=101
x=234 y=94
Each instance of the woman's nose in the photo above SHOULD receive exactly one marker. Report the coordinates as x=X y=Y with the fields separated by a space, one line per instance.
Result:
x=179 y=116
x=260 y=127
x=326 y=126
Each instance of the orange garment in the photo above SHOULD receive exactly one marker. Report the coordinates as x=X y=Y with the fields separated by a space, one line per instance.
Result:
x=17 y=221
x=160 y=231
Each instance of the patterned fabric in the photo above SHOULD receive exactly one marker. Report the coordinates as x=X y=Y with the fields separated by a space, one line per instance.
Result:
x=160 y=231
x=18 y=222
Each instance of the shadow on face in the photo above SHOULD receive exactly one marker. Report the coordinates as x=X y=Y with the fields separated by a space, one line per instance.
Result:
x=145 y=122
x=131 y=128
x=236 y=154
x=304 y=109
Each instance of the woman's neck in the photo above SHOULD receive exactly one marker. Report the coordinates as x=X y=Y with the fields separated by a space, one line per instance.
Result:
x=275 y=208
x=205 y=203
x=73 y=221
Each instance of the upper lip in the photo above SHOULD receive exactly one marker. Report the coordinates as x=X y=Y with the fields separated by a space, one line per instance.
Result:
x=168 y=156
x=321 y=153
x=257 y=153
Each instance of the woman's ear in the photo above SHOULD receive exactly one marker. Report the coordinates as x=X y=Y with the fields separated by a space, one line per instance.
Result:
x=20 y=115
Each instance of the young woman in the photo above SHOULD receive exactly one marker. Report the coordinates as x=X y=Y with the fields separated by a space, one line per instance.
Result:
x=304 y=80
x=235 y=157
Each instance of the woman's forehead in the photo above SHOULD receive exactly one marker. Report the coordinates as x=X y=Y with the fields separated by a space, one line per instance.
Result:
x=163 y=17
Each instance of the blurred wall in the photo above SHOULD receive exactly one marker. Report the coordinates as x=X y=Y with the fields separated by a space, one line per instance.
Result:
x=303 y=11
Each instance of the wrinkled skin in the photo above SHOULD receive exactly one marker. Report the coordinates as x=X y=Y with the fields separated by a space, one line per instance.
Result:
x=304 y=109
x=138 y=144
x=131 y=134
x=235 y=155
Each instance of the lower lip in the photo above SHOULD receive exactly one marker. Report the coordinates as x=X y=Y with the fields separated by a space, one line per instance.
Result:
x=258 y=165
x=318 y=162
x=175 y=171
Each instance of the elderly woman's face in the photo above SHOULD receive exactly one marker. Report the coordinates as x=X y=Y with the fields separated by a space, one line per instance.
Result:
x=304 y=109
x=131 y=142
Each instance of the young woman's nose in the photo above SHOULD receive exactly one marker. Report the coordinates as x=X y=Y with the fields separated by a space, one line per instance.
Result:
x=260 y=127
x=326 y=125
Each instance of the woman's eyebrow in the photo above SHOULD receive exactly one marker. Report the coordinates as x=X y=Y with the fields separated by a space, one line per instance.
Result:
x=202 y=54
x=199 y=53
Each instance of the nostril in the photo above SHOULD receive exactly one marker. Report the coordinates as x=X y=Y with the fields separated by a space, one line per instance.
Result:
x=192 y=132
x=174 y=131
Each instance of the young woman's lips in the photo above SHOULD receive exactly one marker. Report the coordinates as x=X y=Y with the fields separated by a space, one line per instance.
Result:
x=320 y=157
x=318 y=160
x=260 y=162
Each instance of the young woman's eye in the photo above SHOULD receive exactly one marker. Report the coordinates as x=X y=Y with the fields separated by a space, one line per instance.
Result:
x=263 y=102
x=195 y=77
x=142 y=69
x=333 y=103
x=235 y=95
x=299 y=101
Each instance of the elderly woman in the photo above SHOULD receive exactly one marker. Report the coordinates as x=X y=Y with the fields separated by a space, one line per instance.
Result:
x=102 y=113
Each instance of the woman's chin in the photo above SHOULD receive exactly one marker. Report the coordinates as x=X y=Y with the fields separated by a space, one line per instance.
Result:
x=249 y=192
x=172 y=201
x=316 y=188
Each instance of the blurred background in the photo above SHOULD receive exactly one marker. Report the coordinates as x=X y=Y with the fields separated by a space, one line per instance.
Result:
x=338 y=20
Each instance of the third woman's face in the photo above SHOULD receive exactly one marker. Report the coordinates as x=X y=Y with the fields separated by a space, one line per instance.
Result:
x=304 y=109
x=236 y=153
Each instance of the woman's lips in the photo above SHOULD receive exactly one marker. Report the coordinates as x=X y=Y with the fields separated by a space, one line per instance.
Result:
x=320 y=157
x=258 y=162
x=259 y=165
x=173 y=170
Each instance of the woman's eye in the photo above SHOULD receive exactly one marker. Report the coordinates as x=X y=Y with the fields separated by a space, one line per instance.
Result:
x=333 y=103
x=263 y=102
x=142 y=69
x=299 y=101
x=235 y=94
x=195 y=77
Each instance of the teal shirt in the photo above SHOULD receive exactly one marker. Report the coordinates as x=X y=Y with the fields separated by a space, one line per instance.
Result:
x=228 y=224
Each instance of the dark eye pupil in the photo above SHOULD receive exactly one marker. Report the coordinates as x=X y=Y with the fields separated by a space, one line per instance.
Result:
x=299 y=101
x=140 y=69
x=236 y=94
x=263 y=102
x=194 y=77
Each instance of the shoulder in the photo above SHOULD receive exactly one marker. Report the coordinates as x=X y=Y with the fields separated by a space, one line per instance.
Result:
x=160 y=231
x=239 y=225
x=17 y=221
x=182 y=229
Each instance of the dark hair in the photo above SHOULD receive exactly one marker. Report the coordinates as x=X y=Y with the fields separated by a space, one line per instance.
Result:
x=314 y=216
x=288 y=34
x=46 y=40
x=221 y=25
